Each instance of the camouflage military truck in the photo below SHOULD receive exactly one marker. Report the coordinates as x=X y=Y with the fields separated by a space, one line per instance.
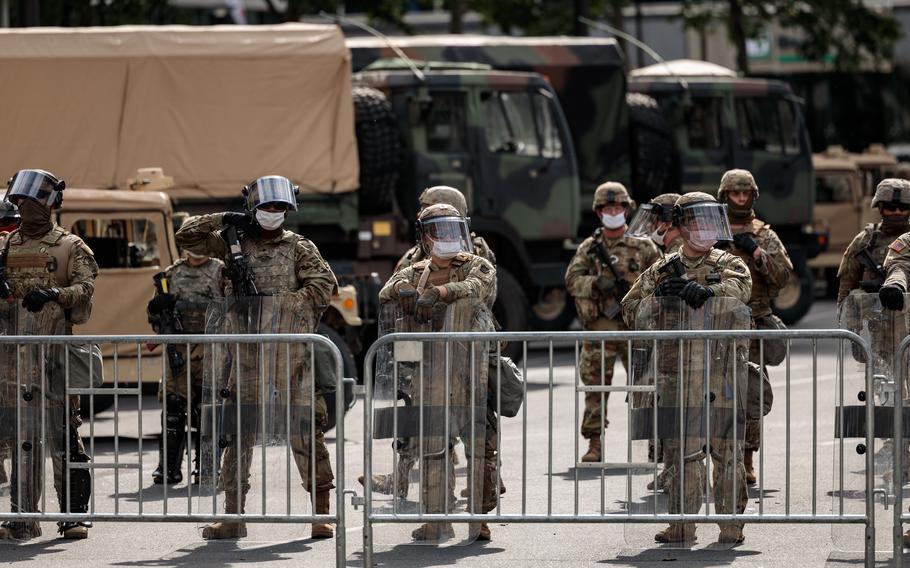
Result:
x=672 y=127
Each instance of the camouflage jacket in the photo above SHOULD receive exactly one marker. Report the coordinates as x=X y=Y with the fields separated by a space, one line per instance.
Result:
x=195 y=287
x=286 y=264
x=897 y=262
x=851 y=271
x=770 y=271
x=469 y=276
x=481 y=249
x=56 y=259
x=630 y=257
x=735 y=281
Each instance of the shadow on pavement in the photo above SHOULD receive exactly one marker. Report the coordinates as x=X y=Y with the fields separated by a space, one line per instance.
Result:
x=714 y=555
x=225 y=553
x=424 y=556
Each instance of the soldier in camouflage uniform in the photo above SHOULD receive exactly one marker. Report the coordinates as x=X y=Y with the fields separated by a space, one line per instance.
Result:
x=598 y=277
x=708 y=272
x=53 y=272
x=285 y=265
x=769 y=265
x=9 y=221
x=444 y=275
x=860 y=267
x=192 y=284
x=654 y=220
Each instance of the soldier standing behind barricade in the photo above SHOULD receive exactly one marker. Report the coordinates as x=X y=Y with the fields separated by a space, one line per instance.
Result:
x=9 y=221
x=769 y=264
x=382 y=483
x=654 y=220
x=448 y=273
x=183 y=293
x=861 y=267
x=288 y=265
x=53 y=273
x=598 y=277
x=705 y=272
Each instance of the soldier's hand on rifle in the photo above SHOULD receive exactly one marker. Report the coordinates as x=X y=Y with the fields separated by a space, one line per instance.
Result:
x=36 y=299
x=162 y=303
x=605 y=286
x=425 y=304
x=671 y=286
x=241 y=221
x=892 y=297
x=695 y=294
x=745 y=242
x=407 y=297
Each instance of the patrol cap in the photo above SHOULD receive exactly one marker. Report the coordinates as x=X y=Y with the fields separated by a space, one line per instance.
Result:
x=270 y=189
x=737 y=180
x=37 y=185
x=891 y=190
x=444 y=194
x=612 y=193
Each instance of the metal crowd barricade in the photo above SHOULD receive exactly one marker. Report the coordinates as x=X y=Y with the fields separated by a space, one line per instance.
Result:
x=181 y=505
x=900 y=515
x=798 y=508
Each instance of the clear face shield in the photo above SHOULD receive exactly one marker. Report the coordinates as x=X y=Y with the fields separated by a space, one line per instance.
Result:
x=445 y=237
x=36 y=185
x=703 y=224
x=271 y=190
x=649 y=219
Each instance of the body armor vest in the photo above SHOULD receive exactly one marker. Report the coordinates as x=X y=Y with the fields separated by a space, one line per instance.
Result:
x=196 y=287
x=273 y=263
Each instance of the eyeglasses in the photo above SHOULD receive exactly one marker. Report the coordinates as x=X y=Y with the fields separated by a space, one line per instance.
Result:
x=896 y=206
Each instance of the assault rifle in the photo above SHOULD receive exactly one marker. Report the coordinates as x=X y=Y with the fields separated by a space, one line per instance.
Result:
x=622 y=285
x=674 y=268
x=243 y=281
x=865 y=259
x=169 y=324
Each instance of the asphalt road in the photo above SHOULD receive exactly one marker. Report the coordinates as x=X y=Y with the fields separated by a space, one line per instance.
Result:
x=179 y=544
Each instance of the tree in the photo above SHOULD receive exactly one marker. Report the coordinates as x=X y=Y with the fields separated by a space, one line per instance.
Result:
x=845 y=30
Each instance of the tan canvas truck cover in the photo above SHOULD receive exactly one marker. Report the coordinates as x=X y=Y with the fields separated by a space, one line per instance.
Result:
x=214 y=106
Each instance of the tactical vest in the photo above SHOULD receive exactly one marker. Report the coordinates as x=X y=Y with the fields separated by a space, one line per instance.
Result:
x=877 y=247
x=196 y=288
x=273 y=263
x=760 y=300
x=626 y=260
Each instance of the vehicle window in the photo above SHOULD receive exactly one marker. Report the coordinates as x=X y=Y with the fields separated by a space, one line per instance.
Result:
x=551 y=145
x=789 y=124
x=703 y=120
x=120 y=243
x=446 y=124
x=759 y=125
x=511 y=126
x=833 y=188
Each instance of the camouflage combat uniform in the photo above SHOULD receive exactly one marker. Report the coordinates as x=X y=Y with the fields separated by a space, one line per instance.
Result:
x=290 y=267
x=734 y=282
x=875 y=238
x=56 y=259
x=481 y=249
x=630 y=257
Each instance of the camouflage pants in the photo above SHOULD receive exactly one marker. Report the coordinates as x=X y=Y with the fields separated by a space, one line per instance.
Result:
x=596 y=368
x=176 y=383
x=724 y=474
x=753 y=434
x=242 y=459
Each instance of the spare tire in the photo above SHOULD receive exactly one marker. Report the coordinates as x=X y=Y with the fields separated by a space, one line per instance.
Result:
x=378 y=149
x=650 y=146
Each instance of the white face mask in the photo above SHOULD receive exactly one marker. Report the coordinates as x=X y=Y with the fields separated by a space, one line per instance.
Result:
x=270 y=220
x=446 y=249
x=700 y=244
x=613 y=221
x=657 y=237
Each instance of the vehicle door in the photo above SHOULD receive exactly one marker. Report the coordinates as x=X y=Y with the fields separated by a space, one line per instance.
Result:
x=702 y=143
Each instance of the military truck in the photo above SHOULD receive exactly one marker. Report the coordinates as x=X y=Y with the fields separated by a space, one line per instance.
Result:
x=675 y=126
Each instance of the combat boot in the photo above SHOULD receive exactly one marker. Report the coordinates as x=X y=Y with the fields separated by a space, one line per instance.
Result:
x=434 y=531
x=676 y=532
x=731 y=534
x=73 y=531
x=20 y=530
x=662 y=481
x=227 y=529
x=750 y=471
x=321 y=507
x=382 y=483
x=175 y=434
x=594 y=450
x=484 y=532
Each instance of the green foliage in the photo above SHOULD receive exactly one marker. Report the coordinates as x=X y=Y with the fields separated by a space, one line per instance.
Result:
x=541 y=17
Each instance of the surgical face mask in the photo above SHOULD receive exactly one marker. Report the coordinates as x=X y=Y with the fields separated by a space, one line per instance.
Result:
x=446 y=249
x=270 y=220
x=657 y=237
x=700 y=244
x=613 y=221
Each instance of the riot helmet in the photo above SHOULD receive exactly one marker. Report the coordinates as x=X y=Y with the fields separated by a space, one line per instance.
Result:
x=442 y=232
x=444 y=194
x=40 y=186
x=702 y=221
x=271 y=190
x=653 y=216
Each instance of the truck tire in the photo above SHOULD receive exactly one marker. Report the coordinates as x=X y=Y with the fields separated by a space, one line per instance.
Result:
x=794 y=301
x=378 y=150
x=348 y=367
x=510 y=309
x=650 y=147
x=554 y=310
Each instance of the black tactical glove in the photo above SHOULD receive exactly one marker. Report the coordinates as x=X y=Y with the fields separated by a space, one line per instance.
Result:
x=892 y=297
x=745 y=242
x=407 y=297
x=695 y=294
x=36 y=299
x=605 y=286
x=241 y=221
x=671 y=286
x=162 y=303
x=425 y=303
